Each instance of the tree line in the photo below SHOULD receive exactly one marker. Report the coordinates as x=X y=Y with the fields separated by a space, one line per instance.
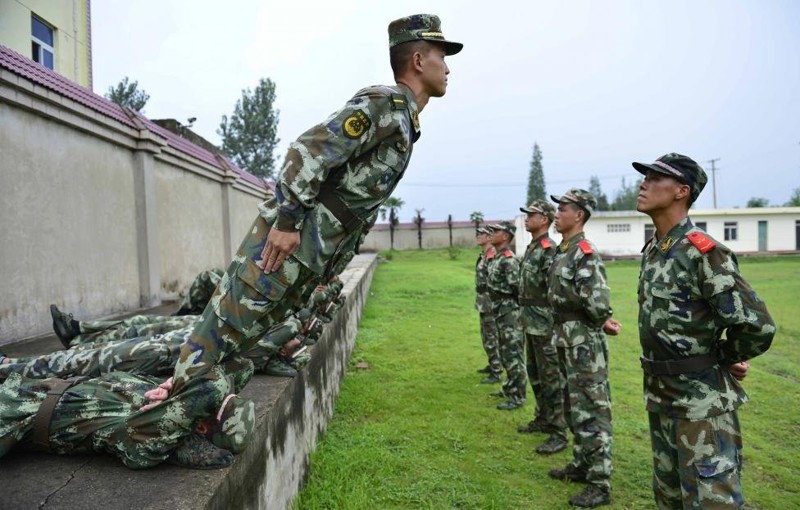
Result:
x=249 y=136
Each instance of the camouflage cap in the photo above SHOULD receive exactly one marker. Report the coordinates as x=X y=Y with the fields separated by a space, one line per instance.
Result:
x=483 y=230
x=421 y=27
x=235 y=423
x=580 y=197
x=542 y=207
x=504 y=225
x=680 y=167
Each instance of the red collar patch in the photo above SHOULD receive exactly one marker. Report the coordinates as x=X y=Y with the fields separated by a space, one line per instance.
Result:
x=701 y=242
x=585 y=247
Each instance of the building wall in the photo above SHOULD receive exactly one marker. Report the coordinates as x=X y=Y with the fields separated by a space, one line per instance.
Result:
x=72 y=39
x=434 y=235
x=781 y=236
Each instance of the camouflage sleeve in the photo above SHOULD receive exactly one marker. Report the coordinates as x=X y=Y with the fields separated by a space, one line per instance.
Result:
x=346 y=134
x=736 y=306
x=592 y=287
x=513 y=275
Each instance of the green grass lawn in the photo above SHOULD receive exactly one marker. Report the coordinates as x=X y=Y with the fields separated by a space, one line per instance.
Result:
x=416 y=430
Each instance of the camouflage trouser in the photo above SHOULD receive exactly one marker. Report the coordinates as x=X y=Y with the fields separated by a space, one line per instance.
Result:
x=200 y=292
x=150 y=356
x=512 y=355
x=490 y=340
x=588 y=405
x=247 y=303
x=136 y=327
x=697 y=464
x=542 y=363
x=532 y=369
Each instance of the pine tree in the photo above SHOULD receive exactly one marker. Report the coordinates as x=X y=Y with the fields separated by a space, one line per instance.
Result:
x=127 y=94
x=536 y=189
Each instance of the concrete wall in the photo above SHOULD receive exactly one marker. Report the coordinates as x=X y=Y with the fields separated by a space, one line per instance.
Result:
x=103 y=214
x=434 y=235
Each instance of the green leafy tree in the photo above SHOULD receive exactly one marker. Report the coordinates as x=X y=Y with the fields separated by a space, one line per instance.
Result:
x=625 y=199
x=127 y=94
x=392 y=205
x=594 y=189
x=250 y=136
x=536 y=188
x=758 y=202
x=476 y=217
x=794 y=200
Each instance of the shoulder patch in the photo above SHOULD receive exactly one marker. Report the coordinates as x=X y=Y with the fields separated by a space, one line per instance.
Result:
x=508 y=253
x=545 y=242
x=701 y=242
x=399 y=102
x=585 y=247
x=356 y=124
x=490 y=255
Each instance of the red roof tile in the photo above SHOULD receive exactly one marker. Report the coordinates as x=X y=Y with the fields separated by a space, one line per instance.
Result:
x=49 y=79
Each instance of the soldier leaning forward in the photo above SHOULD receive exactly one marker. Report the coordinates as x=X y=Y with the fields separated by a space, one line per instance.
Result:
x=579 y=297
x=690 y=293
x=503 y=284
x=541 y=355
x=483 y=304
x=335 y=177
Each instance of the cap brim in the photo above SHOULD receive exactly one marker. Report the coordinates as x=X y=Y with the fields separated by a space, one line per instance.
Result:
x=643 y=168
x=451 y=48
x=556 y=198
x=525 y=210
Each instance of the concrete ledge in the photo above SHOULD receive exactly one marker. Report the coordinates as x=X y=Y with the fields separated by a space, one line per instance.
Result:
x=292 y=414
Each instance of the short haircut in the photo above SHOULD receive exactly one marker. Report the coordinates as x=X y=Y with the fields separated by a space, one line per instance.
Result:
x=576 y=207
x=400 y=54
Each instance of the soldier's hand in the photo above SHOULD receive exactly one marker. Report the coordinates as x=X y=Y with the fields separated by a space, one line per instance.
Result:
x=157 y=395
x=279 y=246
x=739 y=370
x=612 y=327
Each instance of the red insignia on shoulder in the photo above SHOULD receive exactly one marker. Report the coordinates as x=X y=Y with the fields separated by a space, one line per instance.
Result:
x=701 y=242
x=490 y=254
x=545 y=242
x=508 y=253
x=585 y=247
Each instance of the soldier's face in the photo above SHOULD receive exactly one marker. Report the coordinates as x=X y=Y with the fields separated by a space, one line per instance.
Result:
x=567 y=217
x=535 y=221
x=434 y=71
x=659 y=192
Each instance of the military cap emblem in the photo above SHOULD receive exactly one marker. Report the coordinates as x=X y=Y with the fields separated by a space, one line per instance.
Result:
x=356 y=124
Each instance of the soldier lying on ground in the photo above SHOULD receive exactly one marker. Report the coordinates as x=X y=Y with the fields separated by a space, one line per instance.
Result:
x=200 y=428
x=113 y=349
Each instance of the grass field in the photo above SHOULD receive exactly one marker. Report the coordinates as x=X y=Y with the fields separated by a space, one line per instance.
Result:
x=416 y=430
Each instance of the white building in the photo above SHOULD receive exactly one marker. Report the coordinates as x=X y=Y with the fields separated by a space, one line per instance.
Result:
x=757 y=230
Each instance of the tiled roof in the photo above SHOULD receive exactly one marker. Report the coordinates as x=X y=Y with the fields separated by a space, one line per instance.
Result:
x=49 y=79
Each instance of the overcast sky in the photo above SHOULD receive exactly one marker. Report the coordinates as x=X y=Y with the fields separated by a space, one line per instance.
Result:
x=597 y=84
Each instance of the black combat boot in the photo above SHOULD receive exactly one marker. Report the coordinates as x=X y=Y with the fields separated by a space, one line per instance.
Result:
x=554 y=444
x=569 y=473
x=65 y=327
x=591 y=496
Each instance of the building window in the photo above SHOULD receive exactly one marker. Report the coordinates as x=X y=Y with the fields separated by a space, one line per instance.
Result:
x=701 y=225
x=42 y=42
x=731 y=229
x=619 y=227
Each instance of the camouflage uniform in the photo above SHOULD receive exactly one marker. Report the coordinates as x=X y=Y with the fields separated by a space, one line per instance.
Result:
x=579 y=297
x=541 y=355
x=503 y=284
x=483 y=303
x=135 y=327
x=102 y=415
x=200 y=292
x=690 y=290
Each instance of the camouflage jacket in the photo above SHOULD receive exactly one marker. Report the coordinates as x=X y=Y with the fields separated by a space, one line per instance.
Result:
x=537 y=319
x=482 y=301
x=102 y=415
x=360 y=152
x=690 y=292
x=576 y=286
x=503 y=282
